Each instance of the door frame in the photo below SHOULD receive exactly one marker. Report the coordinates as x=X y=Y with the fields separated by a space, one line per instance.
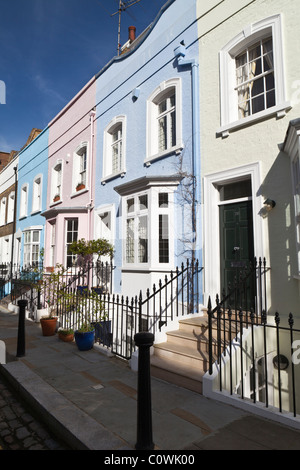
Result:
x=211 y=223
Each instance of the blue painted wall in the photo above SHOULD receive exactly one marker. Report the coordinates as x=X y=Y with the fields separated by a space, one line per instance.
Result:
x=150 y=64
x=33 y=161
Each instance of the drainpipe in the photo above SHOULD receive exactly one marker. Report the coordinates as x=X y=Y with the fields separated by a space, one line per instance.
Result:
x=180 y=53
x=90 y=205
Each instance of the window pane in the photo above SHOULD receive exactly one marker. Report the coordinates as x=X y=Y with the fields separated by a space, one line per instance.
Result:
x=163 y=238
x=162 y=107
x=258 y=104
x=143 y=202
x=143 y=240
x=130 y=205
x=36 y=236
x=163 y=200
x=130 y=241
x=173 y=128
x=162 y=133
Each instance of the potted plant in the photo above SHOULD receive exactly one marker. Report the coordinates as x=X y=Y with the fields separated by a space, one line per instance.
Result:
x=56 y=198
x=66 y=334
x=48 y=323
x=85 y=336
x=80 y=186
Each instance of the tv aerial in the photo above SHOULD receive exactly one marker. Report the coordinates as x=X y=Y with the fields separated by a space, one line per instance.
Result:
x=123 y=7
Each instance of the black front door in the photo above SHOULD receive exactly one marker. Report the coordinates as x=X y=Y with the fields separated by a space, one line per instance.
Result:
x=236 y=245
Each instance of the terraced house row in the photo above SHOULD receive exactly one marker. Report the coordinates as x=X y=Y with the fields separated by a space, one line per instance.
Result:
x=183 y=147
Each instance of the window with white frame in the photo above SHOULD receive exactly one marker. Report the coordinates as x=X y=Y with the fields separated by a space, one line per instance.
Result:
x=137 y=229
x=80 y=168
x=57 y=182
x=114 y=148
x=252 y=75
x=148 y=237
x=24 y=201
x=37 y=194
x=71 y=236
x=31 y=247
x=3 y=211
x=52 y=243
x=11 y=207
x=255 y=84
x=164 y=120
x=296 y=188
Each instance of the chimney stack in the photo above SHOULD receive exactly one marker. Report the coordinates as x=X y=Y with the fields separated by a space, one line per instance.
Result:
x=131 y=31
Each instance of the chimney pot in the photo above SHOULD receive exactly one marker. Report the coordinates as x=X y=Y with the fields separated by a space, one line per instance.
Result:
x=131 y=31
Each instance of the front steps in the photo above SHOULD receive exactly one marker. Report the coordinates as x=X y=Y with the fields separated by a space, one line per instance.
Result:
x=183 y=359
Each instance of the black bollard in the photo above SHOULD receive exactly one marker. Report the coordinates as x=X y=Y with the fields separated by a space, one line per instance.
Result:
x=144 y=341
x=21 y=328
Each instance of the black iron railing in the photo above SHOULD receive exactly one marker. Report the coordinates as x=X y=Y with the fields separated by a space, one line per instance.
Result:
x=177 y=295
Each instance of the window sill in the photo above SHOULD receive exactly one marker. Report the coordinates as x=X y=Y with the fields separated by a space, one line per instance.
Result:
x=38 y=211
x=145 y=267
x=177 y=150
x=55 y=203
x=107 y=178
x=279 y=111
x=78 y=193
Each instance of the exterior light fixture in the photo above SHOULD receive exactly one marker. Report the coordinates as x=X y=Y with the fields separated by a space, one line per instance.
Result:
x=280 y=362
x=270 y=204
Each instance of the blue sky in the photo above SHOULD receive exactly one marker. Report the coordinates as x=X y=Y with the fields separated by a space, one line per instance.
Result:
x=49 y=49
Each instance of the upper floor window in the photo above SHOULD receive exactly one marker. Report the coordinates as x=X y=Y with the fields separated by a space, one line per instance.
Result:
x=3 y=211
x=80 y=165
x=24 y=201
x=255 y=84
x=37 y=194
x=71 y=236
x=164 y=120
x=148 y=221
x=252 y=76
x=11 y=207
x=31 y=247
x=114 y=148
x=56 y=188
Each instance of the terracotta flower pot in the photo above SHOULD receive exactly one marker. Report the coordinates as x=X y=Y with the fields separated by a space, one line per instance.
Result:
x=48 y=326
x=67 y=338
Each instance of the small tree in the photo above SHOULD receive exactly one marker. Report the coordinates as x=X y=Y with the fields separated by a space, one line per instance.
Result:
x=85 y=249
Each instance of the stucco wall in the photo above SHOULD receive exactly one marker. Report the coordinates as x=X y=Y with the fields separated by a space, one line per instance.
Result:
x=259 y=141
x=146 y=68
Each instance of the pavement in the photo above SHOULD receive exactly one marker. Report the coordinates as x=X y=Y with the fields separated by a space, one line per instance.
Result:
x=89 y=400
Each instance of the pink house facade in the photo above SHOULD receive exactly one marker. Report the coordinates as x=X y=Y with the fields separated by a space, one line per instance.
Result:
x=70 y=195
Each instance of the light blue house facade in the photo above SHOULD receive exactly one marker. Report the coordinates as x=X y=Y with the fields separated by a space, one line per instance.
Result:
x=31 y=201
x=147 y=181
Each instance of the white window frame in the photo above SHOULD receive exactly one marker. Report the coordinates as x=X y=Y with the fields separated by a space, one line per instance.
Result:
x=74 y=257
x=56 y=182
x=11 y=207
x=270 y=26
x=37 y=194
x=135 y=215
x=152 y=213
x=165 y=89
x=80 y=168
x=24 y=201
x=28 y=246
x=107 y=172
x=3 y=211
x=52 y=243
x=291 y=147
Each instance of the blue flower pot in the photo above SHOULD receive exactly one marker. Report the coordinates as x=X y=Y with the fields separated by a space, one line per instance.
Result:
x=84 y=340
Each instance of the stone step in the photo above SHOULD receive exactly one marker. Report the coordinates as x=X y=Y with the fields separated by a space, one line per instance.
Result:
x=177 y=373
